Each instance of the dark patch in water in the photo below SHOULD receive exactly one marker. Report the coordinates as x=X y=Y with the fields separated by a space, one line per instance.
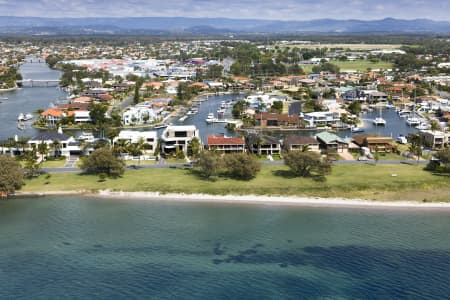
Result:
x=98 y=246
x=289 y=241
x=259 y=245
x=283 y=265
x=67 y=243
x=218 y=250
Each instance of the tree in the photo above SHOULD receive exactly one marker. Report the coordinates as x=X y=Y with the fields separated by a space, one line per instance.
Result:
x=209 y=163
x=103 y=160
x=354 y=107
x=434 y=125
x=415 y=146
x=307 y=164
x=56 y=145
x=11 y=175
x=32 y=165
x=136 y=94
x=277 y=107
x=194 y=147
x=242 y=165
x=97 y=113
x=42 y=149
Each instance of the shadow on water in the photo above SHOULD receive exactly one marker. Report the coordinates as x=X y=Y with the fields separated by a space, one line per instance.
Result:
x=394 y=273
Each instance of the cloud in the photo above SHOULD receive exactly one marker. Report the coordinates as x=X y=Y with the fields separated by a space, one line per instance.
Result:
x=260 y=9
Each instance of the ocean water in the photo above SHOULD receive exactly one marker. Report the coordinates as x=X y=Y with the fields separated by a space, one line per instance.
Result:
x=92 y=248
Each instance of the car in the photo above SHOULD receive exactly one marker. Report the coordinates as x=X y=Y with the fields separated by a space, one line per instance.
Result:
x=363 y=158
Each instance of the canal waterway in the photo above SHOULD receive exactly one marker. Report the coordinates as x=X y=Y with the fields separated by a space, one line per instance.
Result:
x=28 y=100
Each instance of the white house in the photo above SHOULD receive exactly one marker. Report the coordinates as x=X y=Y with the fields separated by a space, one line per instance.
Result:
x=321 y=118
x=67 y=144
x=178 y=137
x=138 y=115
x=149 y=137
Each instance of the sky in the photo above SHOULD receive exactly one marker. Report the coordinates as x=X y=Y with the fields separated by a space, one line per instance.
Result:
x=243 y=9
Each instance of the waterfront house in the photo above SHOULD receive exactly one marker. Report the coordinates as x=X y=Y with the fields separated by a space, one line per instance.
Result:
x=263 y=144
x=276 y=120
x=374 y=143
x=67 y=144
x=299 y=143
x=435 y=139
x=148 y=138
x=55 y=115
x=330 y=142
x=178 y=138
x=322 y=118
x=138 y=115
x=224 y=144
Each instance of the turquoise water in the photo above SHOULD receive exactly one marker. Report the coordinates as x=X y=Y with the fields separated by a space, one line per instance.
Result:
x=88 y=248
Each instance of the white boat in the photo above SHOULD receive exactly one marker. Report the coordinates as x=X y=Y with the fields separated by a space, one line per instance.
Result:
x=160 y=126
x=356 y=129
x=86 y=136
x=24 y=117
x=379 y=121
x=402 y=140
x=423 y=126
x=3 y=98
x=412 y=121
x=403 y=113
x=210 y=118
x=183 y=118
x=21 y=117
x=192 y=112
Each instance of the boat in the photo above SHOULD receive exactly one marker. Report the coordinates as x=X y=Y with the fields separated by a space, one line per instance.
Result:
x=423 y=126
x=411 y=121
x=86 y=136
x=24 y=117
x=3 y=98
x=403 y=113
x=356 y=129
x=402 y=140
x=21 y=125
x=192 y=111
x=210 y=118
x=182 y=119
x=379 y=121
x=160 y=126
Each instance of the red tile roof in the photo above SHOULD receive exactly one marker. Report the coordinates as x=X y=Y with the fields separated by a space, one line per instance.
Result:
x=222 y=140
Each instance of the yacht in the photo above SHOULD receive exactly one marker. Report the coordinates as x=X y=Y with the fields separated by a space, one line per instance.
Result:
x=183 y=118
x=210 y=118
x=24 y=117
x=356 y=129
x=411 y=121
x=423 y=126
x=86 y=136
x=379 y=121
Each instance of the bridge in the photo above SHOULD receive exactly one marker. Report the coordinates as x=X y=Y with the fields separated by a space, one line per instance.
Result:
x=38 y=82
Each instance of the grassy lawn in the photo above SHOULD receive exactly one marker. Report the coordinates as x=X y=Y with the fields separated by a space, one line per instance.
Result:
x=141 y=163
x=53 y=163
x=361 y=65
x=351 y=181
x=353 y=47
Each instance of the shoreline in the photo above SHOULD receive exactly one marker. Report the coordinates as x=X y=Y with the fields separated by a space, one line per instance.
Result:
x=244 y=199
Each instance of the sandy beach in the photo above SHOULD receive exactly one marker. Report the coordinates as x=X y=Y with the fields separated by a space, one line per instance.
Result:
x=247 y=199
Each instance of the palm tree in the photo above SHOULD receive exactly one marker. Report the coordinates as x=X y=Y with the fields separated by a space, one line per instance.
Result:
x=435 y=125
x=42 y=149
x=120 y=147
x=56 y=145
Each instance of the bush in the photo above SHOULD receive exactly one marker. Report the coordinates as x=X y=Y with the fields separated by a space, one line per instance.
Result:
x=307 y=164
x=103 y=160
x=11 y=175
x=242 y=165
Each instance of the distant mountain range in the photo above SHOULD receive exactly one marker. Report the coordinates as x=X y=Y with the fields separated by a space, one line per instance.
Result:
x=216 y=26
